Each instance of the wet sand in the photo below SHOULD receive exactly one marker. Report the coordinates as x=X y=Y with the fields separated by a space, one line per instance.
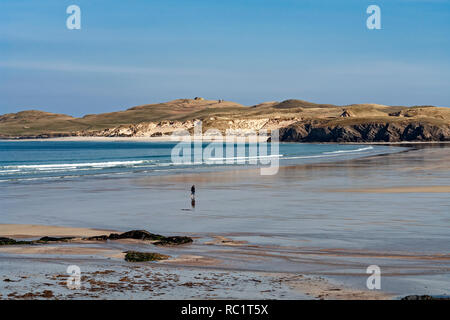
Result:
x=58 y=250
x=113 y=278
x=33 y=231
x=324 y=224
x=404 y=189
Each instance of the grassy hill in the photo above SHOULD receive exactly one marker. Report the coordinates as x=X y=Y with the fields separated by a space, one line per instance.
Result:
x=219 y=114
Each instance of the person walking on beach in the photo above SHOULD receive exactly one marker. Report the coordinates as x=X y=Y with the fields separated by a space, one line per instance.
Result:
x=193 y=192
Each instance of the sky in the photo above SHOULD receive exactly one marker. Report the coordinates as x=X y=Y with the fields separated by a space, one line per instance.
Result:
x=136 y=52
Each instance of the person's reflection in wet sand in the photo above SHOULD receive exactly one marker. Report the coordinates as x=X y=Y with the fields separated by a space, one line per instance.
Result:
x=193 y=196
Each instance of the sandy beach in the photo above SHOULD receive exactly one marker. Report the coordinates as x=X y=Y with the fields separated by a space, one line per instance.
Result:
x=168 y=138
x=206 y=138
x=30 y=231
x=124 y=279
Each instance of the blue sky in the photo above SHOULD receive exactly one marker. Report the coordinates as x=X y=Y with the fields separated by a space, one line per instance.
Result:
x=134 y=52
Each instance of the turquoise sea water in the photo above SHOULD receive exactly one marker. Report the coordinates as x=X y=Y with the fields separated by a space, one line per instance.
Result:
x=36 y=160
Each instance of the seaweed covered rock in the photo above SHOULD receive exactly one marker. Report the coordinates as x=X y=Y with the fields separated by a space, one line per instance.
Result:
x=54 y=239
x=136 y=234
x=167 y=241
x=133 y=234
x=9 y=241
x=136 y=256
x=97 y=238
x=145 y=235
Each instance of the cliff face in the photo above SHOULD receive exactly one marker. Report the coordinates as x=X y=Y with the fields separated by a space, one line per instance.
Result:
x=365 y=132
x=166 y=128
x=145 y=129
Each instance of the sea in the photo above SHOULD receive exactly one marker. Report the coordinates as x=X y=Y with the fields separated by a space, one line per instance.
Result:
x=27 y=161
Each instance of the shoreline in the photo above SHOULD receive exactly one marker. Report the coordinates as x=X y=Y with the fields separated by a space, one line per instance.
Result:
x=206 y=139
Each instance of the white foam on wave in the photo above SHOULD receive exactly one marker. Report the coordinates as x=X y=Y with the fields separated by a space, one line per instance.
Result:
x=65 y=166
x=9 y=171
x=246 y=158
x=349 y=151
x=320 y=156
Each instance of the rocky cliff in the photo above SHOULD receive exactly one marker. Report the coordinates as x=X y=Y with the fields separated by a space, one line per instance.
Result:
x=365 y=132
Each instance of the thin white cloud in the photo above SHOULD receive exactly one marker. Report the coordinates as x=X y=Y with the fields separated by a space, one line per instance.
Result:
x=84 y=68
